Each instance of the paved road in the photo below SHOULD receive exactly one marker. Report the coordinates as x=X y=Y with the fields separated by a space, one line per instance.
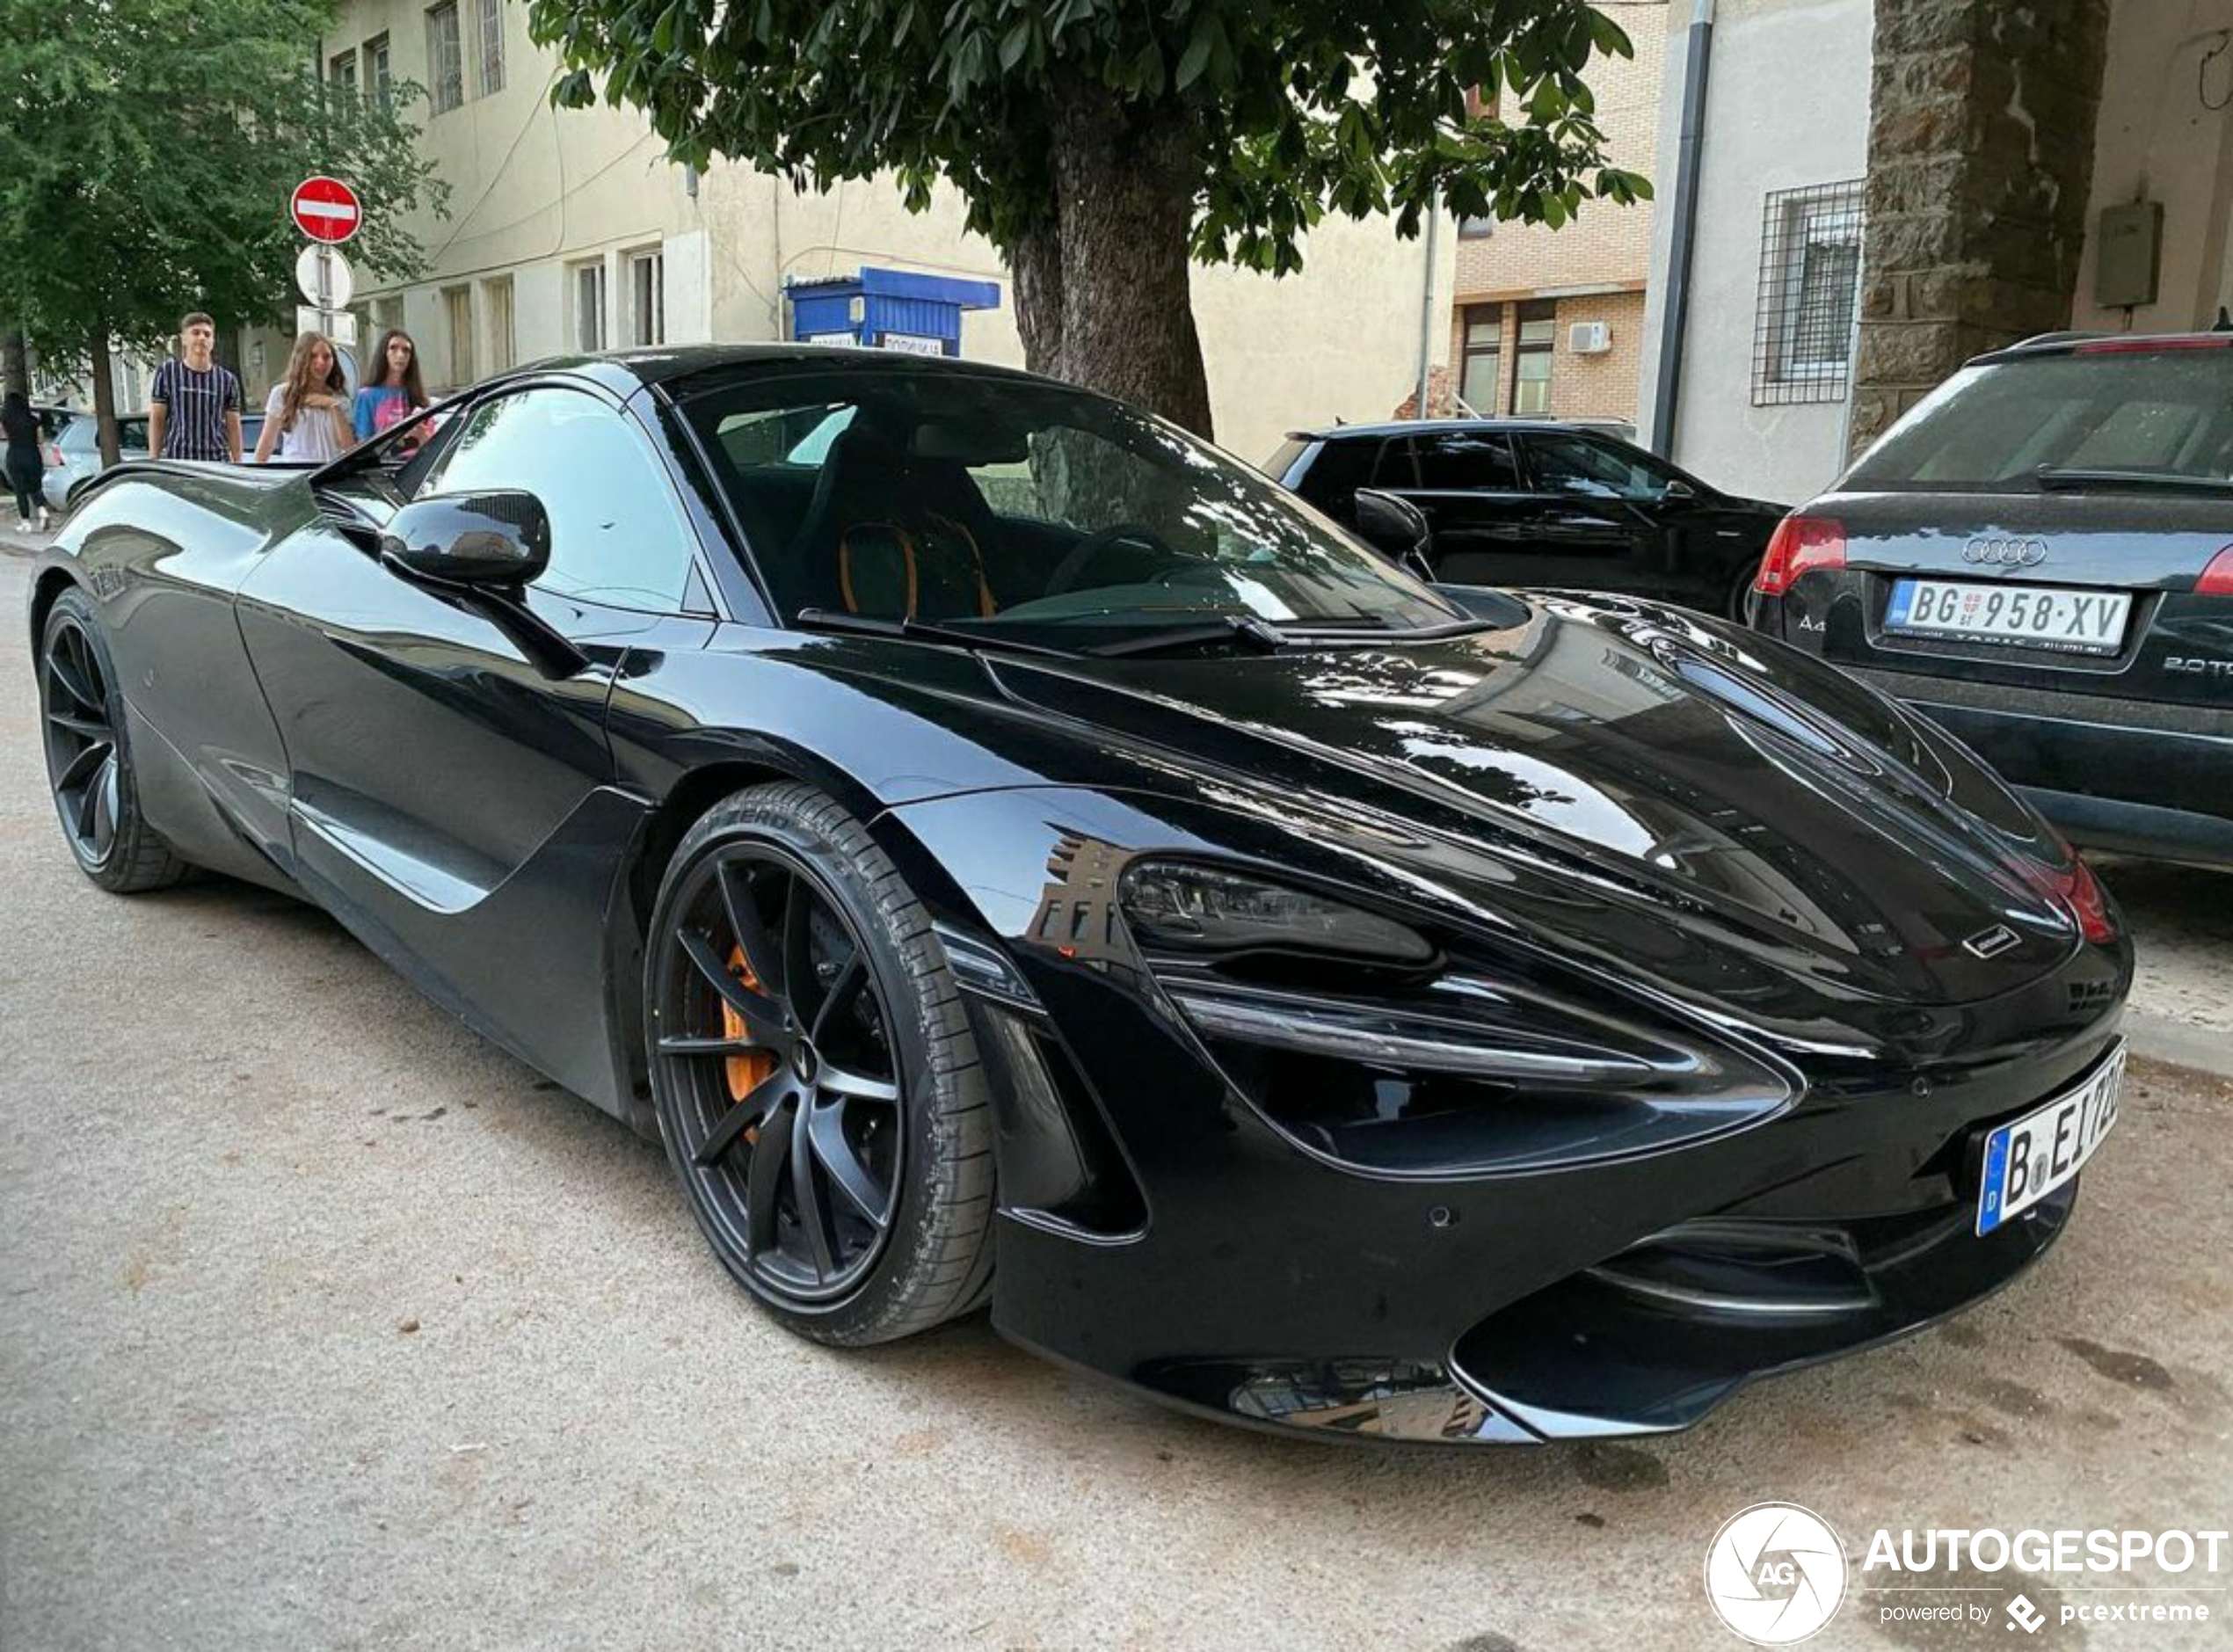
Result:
x=323 y=1324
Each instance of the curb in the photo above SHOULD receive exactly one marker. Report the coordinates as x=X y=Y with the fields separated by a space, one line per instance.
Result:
x=2183 y=1044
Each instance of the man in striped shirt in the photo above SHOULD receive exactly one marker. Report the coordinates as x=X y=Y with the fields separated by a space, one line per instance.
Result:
x=193 y=409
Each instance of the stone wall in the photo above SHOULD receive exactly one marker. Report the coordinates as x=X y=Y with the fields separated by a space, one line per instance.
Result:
x=1981 y=151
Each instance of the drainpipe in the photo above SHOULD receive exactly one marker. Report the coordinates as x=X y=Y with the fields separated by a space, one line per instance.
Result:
x=1674 y=298
x=1427 y=308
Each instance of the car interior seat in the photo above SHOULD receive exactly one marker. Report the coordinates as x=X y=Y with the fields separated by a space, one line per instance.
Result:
x=891 y=536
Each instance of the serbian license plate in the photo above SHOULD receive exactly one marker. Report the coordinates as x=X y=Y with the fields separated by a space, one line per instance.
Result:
x=2027 y=1160
x=2034 y=616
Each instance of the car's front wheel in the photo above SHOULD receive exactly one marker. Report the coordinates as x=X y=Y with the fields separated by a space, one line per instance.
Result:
x=89 y=758
x=814 y=1077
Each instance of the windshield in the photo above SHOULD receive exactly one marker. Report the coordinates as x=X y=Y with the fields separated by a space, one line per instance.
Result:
x=1029 y=512
x=1996 y=426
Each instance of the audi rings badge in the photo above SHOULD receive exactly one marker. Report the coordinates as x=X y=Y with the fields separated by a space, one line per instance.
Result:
x=1990 y=552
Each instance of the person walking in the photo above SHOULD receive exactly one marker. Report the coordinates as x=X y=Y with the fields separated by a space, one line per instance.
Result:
x=396 y=392
x=27 y=466
x=193 y=409
x=306 y=415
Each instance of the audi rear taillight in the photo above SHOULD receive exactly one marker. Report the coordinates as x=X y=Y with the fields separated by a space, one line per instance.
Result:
x=2217 y=578
x=1800 y=545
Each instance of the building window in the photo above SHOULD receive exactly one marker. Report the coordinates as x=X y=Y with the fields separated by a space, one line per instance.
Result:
x=341 y=72
x=1484 y=358
x=1531 y=358
x=445 y=59
x=1810 y=284
x=647 y=297
x=380 y=78
x=589 y=306
x=457 y=301
x=387 y=316
x=502 y=349
x=492 y=45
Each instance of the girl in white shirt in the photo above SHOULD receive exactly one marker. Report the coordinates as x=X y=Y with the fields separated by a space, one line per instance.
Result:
x=307 y=414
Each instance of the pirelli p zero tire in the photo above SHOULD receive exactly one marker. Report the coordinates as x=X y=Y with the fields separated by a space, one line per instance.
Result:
x=89 y=756
x=817 y=1083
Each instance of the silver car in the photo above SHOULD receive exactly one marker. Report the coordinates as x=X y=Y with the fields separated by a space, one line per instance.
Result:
x=74 y=457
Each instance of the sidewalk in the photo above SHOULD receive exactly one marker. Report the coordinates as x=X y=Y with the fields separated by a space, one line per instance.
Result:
x=20 y=542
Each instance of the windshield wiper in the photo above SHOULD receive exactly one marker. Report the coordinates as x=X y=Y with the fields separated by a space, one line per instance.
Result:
x=915 y=630
x=1245 y=628
x=2061 y=480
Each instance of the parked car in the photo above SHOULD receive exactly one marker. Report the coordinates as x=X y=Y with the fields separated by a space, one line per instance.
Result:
x=1526 y=502
x=2038 y=556
x=1009 y=852
x=74 y=457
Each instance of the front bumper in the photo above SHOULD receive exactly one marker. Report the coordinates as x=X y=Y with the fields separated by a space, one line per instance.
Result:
x=1267 y=1288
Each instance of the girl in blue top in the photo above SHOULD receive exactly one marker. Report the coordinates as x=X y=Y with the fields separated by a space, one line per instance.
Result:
x=397 y=393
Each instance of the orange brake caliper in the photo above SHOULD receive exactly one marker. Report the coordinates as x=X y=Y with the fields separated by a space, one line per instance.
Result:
x=745 y=1072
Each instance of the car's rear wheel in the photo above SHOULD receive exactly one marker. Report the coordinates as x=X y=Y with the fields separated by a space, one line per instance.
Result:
x=816 y=1080
x=88 y=760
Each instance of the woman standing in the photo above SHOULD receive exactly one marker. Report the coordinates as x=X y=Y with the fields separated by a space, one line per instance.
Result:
x=396 y=391
x=306 y=415
x=26 y=467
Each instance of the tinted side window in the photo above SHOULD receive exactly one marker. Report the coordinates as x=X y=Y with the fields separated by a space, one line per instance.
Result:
x=1338 y=471
x=1474 y=461
x=616 y=535
x=1571 y=464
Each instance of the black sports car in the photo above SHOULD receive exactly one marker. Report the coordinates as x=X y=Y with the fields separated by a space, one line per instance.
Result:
x=1006 y=850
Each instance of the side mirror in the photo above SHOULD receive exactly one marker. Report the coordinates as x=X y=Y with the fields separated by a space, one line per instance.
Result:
x=1679 y=488
x=470 y=539
x=1394 y=525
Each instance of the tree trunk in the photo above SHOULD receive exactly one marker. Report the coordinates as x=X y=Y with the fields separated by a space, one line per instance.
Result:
x=1036 y=262
x=1125 y=191
x=15 y=366
x=104 y=396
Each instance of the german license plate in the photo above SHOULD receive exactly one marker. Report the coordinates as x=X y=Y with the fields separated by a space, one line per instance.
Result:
x=2027 y=1160
x=2031 y=615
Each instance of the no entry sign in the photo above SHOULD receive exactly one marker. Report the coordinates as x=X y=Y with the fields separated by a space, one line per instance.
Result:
x=325 y=209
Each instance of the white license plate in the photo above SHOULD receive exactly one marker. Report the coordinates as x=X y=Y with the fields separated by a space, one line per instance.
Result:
x=2027 y=1160
x=2035 y=616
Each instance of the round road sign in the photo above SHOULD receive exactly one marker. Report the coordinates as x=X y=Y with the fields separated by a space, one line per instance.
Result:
x=325 y=209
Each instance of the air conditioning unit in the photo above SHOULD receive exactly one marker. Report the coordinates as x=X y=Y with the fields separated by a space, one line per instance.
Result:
x=1589 y=338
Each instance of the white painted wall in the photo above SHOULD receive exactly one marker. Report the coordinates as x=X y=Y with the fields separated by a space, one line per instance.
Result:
x=1786 y=107
x=2157 y=139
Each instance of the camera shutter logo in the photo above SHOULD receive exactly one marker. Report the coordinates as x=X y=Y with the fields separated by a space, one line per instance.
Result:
x=1775 y=1573
x=2005 y=553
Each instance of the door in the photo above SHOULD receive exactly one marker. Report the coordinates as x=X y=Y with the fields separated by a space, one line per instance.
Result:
x=1467 y=483
x=452 y=798
x=1610 y=518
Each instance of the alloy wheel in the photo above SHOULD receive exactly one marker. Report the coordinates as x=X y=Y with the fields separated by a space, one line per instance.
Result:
x=775 y=1038
x=82 y=760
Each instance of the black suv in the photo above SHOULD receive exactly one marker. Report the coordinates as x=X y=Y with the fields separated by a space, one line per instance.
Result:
x=2040 y=557
x=1528 y=502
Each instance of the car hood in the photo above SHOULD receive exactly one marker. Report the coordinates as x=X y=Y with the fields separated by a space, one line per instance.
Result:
x=1661 y=761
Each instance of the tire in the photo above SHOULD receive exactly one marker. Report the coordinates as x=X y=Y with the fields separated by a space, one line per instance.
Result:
x=89 y=757
x=1741 y=592
x=831 y=1126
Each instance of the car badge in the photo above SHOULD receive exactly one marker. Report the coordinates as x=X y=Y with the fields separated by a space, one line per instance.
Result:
x=1989 y=551
x=1991 y=943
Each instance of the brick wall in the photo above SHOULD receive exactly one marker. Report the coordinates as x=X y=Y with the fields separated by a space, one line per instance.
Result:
x=1604 y=241
x=1582 y=386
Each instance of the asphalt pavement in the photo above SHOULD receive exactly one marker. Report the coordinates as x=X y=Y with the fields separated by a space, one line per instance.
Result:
x=324 y=1324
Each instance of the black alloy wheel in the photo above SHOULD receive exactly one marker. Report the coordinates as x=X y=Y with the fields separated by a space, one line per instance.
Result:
x=88 y=764
x=824 y=1113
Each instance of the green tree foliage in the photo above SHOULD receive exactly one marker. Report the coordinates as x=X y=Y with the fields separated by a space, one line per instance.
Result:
x=146 y=159
x=1100 y=144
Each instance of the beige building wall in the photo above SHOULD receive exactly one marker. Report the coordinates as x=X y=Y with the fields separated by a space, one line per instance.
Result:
x=1595 y=267
x=539 y=195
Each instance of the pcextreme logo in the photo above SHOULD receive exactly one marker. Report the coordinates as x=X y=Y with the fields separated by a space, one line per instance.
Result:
x=1775 y=1573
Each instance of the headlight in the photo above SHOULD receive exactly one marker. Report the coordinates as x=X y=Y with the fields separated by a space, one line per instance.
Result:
x=1182 y=909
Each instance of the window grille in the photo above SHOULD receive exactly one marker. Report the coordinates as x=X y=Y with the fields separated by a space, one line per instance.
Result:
x=444 y=60
x=1810 y=283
